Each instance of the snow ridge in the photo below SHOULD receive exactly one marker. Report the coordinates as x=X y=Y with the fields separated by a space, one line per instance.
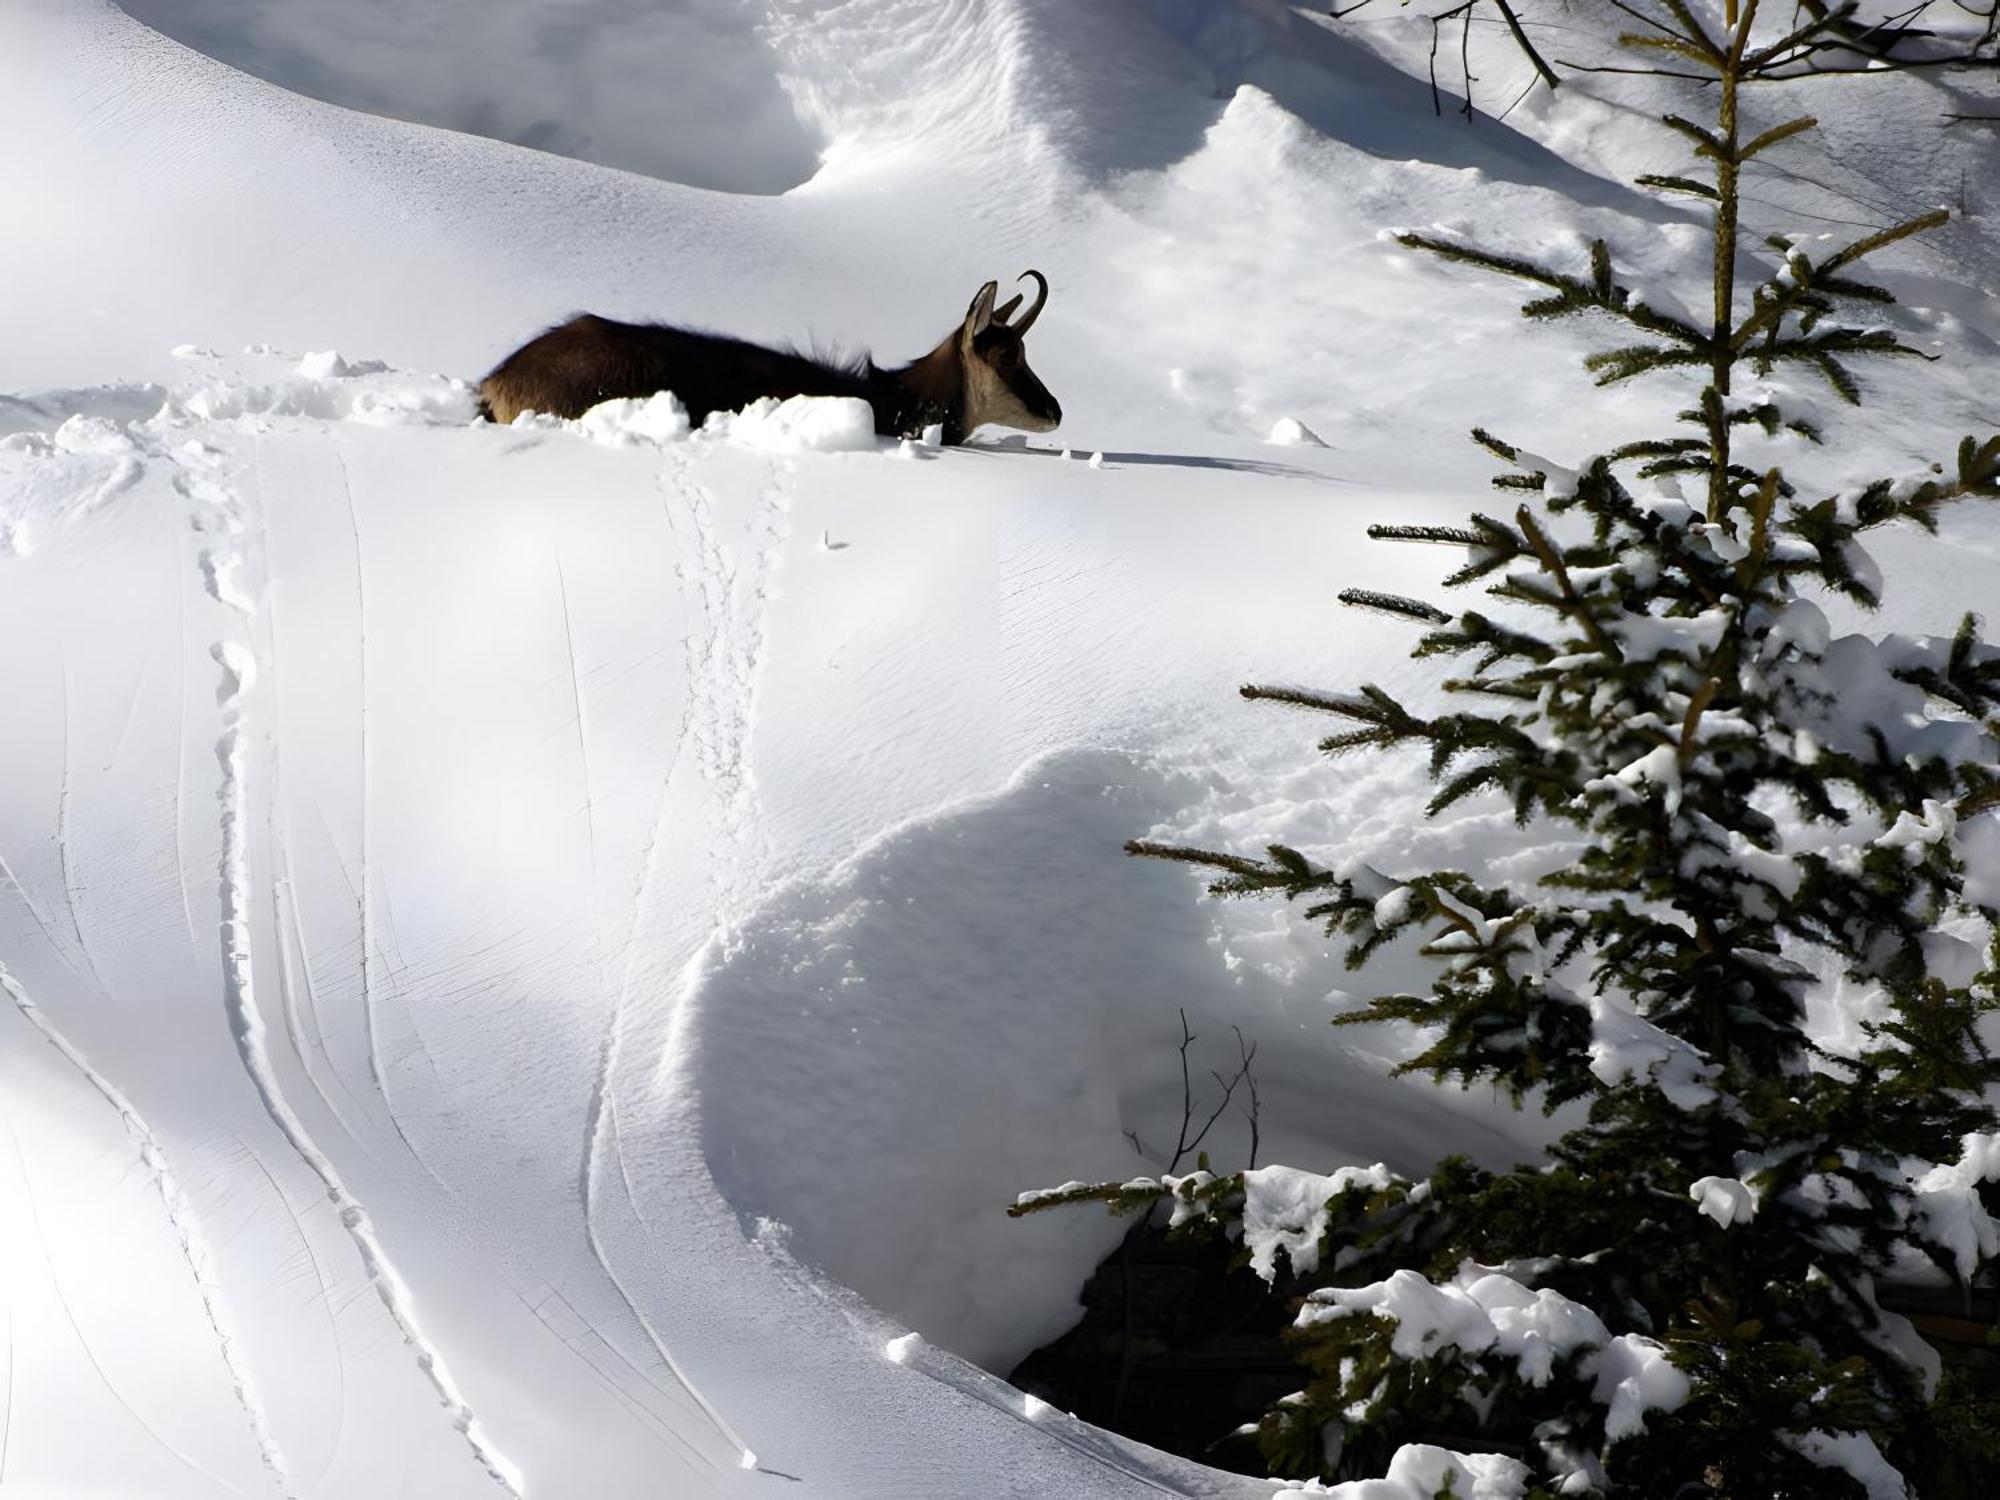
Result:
x=246 y=1024
x=182 y=1219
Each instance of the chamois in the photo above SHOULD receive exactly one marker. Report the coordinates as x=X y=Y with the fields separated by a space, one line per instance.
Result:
x=977 y=374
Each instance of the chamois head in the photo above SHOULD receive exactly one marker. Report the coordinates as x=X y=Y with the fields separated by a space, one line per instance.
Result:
x=999 y=386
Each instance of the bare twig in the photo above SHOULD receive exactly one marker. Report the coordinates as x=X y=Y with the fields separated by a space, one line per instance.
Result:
x=1184 y=1144
x=1521 y=40
x=1255 y=1110
x=1463 y=13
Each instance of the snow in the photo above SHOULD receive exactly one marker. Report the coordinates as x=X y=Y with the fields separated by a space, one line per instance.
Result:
x=535 y=956
x=1950 y=1209
x=1422 y=1471
x=1633 y=1376
x=1854 y=1453
x=801 y=424
x=1290 y=432
x=1480 y=1310
x=1624 y=1044
x=1727 y=1200
x=1286 y=1209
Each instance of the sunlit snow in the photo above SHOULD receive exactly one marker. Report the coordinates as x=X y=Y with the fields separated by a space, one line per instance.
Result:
x=533 y=959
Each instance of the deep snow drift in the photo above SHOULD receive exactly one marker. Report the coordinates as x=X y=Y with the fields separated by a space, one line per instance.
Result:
x=535 y=958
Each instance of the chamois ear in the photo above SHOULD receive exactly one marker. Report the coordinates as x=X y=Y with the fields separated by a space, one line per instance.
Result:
x=979 y=316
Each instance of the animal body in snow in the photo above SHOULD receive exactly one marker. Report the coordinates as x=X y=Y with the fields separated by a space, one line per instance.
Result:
x=977 y=374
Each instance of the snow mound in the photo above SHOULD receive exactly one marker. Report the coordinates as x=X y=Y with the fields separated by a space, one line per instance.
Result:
x=837 y=1021
x=1422 y=1471
x=322 y=386
x=778 y=428
x=689 y=91
x=627 y=422
x=800 y=424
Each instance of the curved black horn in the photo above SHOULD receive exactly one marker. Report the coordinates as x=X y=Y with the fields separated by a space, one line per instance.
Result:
x=1042 y=297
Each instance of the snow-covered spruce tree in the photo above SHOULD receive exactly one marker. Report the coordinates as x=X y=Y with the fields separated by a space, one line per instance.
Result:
x=1685 y=1300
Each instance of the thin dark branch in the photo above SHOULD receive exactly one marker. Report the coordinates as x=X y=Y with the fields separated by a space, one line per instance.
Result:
x=1437 y=22
x=1184 y=1144
x=1577 y=67
x=1256 y=1108
x=1636 y=14
x=1521 y=39
x=1465 y=62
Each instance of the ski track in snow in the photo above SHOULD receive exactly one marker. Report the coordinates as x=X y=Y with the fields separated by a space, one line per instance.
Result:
x=323 y=1297
x=201 y=477
x=28 y=905
x=364 y=907
x=238 y=674
x=303 y=1027
x=363 y=887
x=181 y=1218
x=238 y=666
x=7 y=1409
x=65 y=846
x=83 y=1343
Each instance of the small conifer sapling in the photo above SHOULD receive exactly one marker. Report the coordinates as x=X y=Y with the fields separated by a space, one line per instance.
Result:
x=1686 y=1299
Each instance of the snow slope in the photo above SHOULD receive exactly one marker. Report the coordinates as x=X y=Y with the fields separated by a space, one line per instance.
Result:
x=536 y=956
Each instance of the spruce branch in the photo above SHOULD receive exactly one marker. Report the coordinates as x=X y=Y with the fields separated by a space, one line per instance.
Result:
x=1475 y=632
x=1774 y=135
x=1686 y=185
x=1573 y=603
x=1670 y=46
x=1456 y=536
x=1696 y=34
x=1613 y=365
x=1393 y=604
x=1572 y=294
x=1706 y=142
x=1817 y=277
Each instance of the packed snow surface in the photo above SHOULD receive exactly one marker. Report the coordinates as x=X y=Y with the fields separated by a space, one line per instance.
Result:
x=534 y=958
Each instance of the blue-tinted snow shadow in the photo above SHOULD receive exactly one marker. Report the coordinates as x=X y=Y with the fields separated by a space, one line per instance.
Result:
x=1116 y=459
x=1350 y=95
x=985 y=1002
x=683 y=93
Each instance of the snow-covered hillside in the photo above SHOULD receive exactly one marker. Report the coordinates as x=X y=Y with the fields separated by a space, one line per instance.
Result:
x=536 y=957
